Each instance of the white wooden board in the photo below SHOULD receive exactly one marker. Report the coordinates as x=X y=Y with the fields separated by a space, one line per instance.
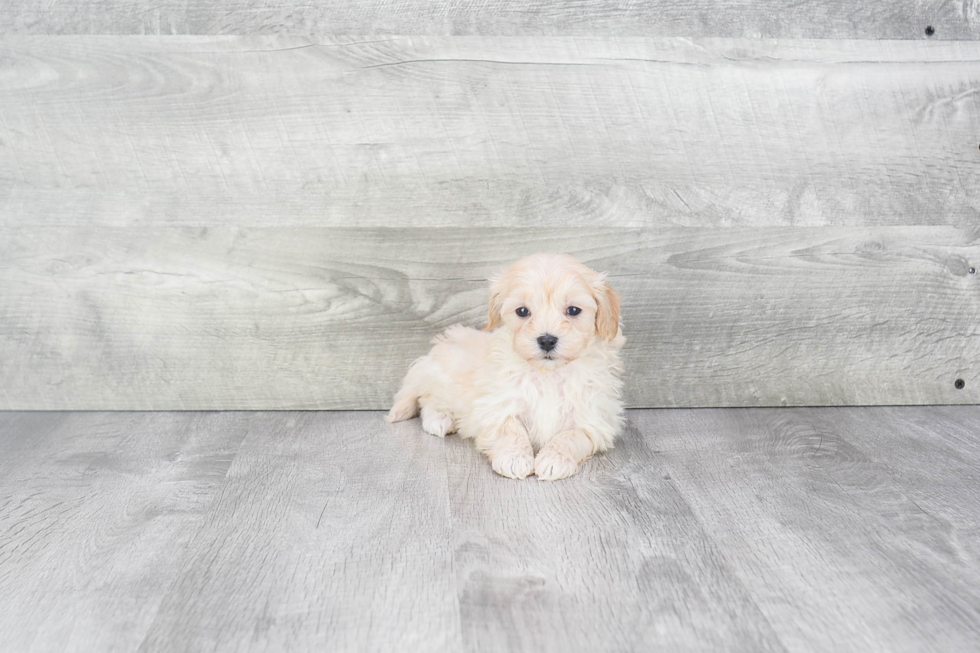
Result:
x=902 y=19
x=266 y=318
x=284 y=222
x=465 y=131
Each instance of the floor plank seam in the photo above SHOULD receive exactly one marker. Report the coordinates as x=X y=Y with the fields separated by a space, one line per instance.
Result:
x=728 y=566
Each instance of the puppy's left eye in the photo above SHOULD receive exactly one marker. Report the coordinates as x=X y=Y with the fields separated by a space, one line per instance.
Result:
x=573 y=310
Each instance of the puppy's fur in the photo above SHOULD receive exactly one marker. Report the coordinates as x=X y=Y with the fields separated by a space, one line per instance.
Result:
x=531 y=411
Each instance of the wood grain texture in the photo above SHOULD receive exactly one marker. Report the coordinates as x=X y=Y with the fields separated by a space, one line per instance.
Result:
x=490 y=131
x=331 y=533
x=805 y=513
x=904 y=19
x=612 y=559
x=936 y=459
x=803 y=530
x=198 y=318
x=175 y=212
x=95 y=510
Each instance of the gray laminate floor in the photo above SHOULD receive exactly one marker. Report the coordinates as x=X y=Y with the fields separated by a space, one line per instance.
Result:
x=748 y=529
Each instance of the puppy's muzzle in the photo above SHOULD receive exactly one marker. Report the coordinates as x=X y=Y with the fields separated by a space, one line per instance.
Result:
x=547 y=342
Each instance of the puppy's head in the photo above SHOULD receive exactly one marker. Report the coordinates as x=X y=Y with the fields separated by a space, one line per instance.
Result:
x=554 y=306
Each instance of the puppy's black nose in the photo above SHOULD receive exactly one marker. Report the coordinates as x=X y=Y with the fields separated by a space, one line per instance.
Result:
x=547 y=342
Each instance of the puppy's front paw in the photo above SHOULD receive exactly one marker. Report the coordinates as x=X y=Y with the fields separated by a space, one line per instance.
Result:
x=513 y=464
x=550 y=465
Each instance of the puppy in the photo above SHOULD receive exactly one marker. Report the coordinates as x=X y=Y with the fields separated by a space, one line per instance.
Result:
x=538 y=390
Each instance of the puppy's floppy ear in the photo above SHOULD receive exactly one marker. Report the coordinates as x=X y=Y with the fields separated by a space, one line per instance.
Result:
x=495 y=305
x=607 y=315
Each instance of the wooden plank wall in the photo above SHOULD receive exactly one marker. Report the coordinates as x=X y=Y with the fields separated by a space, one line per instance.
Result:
x=204 y=207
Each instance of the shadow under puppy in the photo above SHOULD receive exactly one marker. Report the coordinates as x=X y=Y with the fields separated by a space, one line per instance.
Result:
x=538 y=389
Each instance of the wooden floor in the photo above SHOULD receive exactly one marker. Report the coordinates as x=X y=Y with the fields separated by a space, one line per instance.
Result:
x=854 y=529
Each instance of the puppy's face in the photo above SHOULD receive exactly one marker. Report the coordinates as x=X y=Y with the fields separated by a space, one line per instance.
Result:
x=555 y=307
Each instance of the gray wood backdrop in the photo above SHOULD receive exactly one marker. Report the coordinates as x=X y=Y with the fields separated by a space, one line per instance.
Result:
x=277 y=206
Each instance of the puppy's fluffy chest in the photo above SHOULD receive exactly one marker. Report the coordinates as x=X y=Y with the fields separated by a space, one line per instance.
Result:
x=544 y=405
x=582 y=394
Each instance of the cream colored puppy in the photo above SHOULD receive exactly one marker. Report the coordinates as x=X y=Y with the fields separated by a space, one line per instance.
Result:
x=543 y=376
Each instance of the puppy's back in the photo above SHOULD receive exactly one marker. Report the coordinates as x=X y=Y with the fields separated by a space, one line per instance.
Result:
x=445 y=375
x=459 y=350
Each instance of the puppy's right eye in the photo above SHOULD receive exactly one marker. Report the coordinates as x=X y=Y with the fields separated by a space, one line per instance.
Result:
x=523 y=312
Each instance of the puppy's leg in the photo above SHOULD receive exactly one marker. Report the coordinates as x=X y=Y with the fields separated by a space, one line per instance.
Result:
x=560 y=457
x=405 y=406
x=437 y=422
x=509 y=450
x=417 y=382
